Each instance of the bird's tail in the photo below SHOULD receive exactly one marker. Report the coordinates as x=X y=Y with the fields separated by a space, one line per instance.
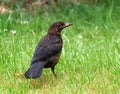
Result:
x=35 y=70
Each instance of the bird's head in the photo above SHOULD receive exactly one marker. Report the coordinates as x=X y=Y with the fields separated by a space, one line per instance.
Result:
x=57 y=27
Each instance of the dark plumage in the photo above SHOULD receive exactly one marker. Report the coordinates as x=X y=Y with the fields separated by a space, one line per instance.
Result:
x=48 y=51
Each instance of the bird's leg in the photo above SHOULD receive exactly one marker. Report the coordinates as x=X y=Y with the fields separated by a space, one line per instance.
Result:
x=52 y=68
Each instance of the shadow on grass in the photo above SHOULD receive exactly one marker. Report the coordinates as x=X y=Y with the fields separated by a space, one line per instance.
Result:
x=46 y=80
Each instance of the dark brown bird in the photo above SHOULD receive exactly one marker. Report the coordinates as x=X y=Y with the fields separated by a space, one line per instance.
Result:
x=48 y=51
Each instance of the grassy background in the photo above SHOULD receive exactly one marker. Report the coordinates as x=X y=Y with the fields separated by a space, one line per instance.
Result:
x=90 y=60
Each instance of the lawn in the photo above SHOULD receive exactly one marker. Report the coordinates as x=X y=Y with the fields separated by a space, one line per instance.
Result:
x=90 y=59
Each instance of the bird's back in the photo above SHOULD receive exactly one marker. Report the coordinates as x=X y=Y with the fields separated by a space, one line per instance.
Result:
x=48 y=47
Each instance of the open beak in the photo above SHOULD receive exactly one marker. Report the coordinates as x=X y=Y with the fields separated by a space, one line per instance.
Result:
x=68 y=24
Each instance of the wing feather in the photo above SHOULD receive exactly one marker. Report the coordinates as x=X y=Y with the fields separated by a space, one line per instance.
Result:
x=46 y=49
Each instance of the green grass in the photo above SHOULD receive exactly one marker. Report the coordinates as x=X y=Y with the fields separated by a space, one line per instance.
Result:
x=90 y=60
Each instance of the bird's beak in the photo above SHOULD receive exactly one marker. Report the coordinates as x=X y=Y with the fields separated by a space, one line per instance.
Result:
x=68 y=24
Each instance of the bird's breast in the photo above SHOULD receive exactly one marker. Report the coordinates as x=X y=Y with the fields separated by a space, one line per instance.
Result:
x=52 y=61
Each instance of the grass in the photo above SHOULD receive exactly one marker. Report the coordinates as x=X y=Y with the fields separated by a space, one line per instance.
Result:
x=90 y=60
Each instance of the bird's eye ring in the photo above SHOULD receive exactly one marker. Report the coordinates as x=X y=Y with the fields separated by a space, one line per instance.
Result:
x=59 y=25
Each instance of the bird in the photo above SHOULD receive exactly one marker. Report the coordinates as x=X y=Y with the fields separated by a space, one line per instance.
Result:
x=48 y=51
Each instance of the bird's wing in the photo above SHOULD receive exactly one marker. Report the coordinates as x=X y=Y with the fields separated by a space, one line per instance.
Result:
x=46 y=49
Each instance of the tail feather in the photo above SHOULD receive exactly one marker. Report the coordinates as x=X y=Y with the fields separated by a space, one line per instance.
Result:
x=35 y=70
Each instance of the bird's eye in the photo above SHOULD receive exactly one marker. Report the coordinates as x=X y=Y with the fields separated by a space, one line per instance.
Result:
x=59 y=25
